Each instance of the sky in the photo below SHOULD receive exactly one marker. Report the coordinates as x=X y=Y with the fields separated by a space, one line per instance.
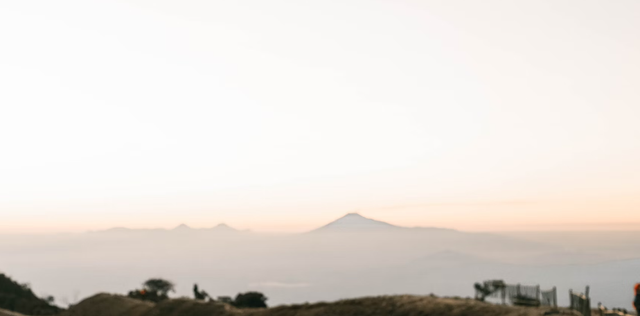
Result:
x=284 y=115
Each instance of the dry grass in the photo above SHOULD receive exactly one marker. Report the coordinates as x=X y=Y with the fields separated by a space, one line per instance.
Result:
x=113 y=305
x=109 y=305
x=401 y=306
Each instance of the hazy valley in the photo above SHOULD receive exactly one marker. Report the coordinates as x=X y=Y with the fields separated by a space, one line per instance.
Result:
x=351 y=257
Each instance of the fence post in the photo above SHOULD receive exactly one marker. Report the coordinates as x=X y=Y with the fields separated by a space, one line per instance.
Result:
x=555 y=297
x=571 y=299
x=588 y=307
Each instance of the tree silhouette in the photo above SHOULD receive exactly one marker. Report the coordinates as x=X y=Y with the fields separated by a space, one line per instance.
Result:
x=154 y=290
x=159 y=286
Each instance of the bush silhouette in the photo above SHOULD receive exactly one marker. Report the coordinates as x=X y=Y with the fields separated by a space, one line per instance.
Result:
x=250 y=300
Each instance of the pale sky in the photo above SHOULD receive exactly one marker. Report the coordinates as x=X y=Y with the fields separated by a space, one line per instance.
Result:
x=283 y=115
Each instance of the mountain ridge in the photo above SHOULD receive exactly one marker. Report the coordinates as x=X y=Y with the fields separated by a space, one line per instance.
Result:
x=350 y=222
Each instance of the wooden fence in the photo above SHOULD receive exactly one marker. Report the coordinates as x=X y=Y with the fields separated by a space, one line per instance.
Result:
x=549 y=298
x=580 y=302
x=524 y=295
x=531 y=295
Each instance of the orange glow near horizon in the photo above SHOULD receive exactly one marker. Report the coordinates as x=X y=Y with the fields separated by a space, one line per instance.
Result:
x=489 y=216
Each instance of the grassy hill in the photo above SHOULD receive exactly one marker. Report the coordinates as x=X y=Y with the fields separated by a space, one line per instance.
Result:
x=115 y=305
x=19 y=298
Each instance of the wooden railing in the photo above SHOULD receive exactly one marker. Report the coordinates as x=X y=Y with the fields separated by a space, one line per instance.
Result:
x=549 y=298
x=580 y=302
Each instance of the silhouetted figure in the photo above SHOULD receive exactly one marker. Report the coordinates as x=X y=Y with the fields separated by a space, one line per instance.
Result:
x=199 y=295
x=636 y=301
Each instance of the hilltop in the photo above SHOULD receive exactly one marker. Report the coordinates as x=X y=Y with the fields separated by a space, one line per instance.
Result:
x=405 y=305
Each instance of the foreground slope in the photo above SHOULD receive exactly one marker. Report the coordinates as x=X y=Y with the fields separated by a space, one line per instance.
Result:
x=115 y=305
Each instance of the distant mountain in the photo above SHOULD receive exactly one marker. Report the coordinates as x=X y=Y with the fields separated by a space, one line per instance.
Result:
x=222 y=227
x=182 y=228
x=351 y=222
x=355 y=222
